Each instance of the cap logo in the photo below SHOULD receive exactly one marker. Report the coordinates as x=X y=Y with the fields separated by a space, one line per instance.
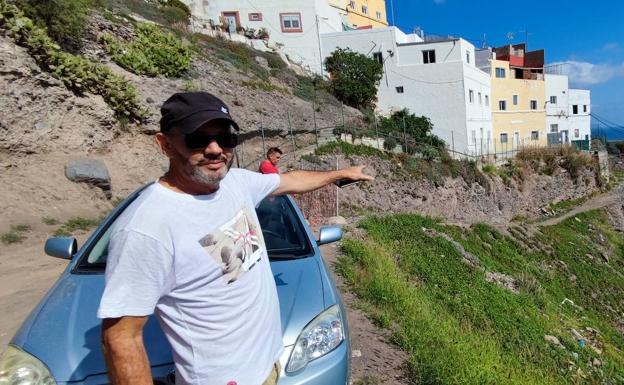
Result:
x=225 y=110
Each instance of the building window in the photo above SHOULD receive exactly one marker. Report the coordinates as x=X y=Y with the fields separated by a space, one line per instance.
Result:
x=554 y=128
x=534 y=104
x=584 y=107
x=255 y=17
x=399 y=90
x=500 y=72
x=503 y=138
x=514 y=100
x=487 y=100
x=365 y=9
x=479 y=96
x=502 y=105
x=429 y=56
x=576 y=133
x=468 y=57
x=471 y=96
x=534 y=135
x=553 y=100
x=575 y=109
x=291 y=22
x=352 y=4
x=378 y=15
x=378 y=56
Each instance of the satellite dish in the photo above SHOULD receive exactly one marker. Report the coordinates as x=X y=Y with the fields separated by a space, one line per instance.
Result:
x=510 y=36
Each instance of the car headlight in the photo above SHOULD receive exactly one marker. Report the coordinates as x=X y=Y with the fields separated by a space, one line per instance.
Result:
x=318 y=338
x=20 y=368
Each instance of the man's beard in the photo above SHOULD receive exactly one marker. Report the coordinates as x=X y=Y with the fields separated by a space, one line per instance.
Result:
x=197 y=174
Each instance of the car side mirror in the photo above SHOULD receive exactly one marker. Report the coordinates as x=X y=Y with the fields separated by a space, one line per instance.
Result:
x=61 y=247
x=329 y=234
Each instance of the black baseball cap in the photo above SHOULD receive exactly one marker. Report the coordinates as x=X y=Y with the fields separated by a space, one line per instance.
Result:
x=190 y=110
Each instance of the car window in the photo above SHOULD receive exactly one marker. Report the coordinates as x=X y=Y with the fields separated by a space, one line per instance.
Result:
x=283 y=232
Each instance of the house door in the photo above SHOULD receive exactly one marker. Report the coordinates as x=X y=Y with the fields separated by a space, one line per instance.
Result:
x=564 y=136
x=516 y=139
x=230 y=19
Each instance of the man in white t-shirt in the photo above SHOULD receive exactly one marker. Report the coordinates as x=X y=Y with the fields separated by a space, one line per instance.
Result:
x=190 y=250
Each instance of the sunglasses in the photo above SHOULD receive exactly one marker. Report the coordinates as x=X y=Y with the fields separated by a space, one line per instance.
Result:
x=199 y=141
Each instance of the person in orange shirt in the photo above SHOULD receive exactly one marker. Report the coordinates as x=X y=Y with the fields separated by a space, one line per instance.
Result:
x=269 y=165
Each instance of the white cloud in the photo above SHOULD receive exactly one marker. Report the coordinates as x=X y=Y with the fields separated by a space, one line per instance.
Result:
x=584 y=73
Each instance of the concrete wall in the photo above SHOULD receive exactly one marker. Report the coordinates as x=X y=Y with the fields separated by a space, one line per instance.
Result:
x=439 y=91
x=580 y=124
x=518 y=121
x=300 y=47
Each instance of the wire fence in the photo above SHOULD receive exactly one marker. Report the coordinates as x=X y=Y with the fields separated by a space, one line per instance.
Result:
x=297 y=140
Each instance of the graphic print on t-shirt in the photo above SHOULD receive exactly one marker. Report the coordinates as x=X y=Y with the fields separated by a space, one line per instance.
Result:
x=236 y=245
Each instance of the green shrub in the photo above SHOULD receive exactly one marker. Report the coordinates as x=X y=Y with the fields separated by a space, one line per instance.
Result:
x=348 y=149
x=354 y=77
x=75 y=224
x=489 y=168
x=179 y=5
x=153 y=52
x=389 y=143
x=65 y=20
x=78 y=74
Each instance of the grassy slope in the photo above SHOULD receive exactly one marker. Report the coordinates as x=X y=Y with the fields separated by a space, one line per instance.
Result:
x=461 y=329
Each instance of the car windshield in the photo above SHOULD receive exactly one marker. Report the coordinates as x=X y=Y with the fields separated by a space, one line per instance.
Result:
x=283 y=232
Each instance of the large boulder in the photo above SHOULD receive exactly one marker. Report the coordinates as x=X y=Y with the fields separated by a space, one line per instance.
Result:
x=89 y=171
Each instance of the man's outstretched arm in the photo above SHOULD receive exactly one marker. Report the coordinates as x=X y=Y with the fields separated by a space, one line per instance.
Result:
x=296 y=182
x=124 y=351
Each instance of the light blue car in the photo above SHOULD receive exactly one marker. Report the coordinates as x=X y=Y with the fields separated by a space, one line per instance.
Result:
x=59 y=342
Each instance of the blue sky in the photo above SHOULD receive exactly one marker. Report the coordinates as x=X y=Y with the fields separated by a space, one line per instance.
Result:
x=589 y=37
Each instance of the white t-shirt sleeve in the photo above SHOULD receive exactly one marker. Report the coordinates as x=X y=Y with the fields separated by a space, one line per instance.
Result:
x=139 y=271
x=258 y=185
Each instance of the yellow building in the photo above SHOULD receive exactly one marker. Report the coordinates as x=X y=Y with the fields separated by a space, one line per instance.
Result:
x=518 y=98
x=367 y=13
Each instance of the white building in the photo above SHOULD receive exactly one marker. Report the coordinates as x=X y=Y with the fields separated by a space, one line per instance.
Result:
x=567 y=111
x=557 y=121
x=579 y=102
x=436 y=79
x=293 y=26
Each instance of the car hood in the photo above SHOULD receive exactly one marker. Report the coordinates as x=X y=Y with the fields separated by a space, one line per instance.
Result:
x=65 y=333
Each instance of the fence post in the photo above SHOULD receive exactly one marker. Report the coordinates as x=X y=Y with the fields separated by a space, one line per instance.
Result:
x=495 y=153
x=314 y=117
x=453 y=142
x=243 y=152
x=292 y=137
x=376 y=131
x=262 y=131
x=404 y=134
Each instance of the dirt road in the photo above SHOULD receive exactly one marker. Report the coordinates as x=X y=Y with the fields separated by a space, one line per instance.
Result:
x=616 y=195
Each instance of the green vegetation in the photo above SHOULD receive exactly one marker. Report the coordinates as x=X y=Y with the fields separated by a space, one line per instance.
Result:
x=546 y=159
x=78 y=74
x=489 y=169
x=64 y=20
x=76 y=224
x=49 y=221
x=15 y=235
x=349 y=150
x=354 y=77
x=153 y=52
x=174 y=13
x=459 y=328
x=568 y=204
x=240 y=56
